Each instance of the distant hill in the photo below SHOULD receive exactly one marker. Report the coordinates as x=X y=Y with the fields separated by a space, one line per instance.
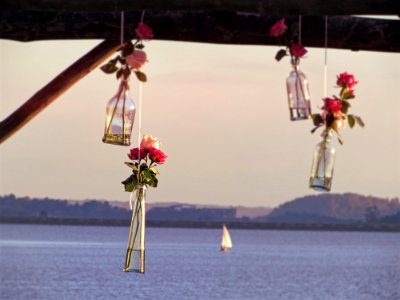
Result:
x=322 y=208
x=334 y=208
x=11 y=206
x=31 y=207
x=241 y=211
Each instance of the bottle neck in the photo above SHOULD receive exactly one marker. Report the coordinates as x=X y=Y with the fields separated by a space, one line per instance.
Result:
x=141 y=187
x=295 y=62
x=326 y=136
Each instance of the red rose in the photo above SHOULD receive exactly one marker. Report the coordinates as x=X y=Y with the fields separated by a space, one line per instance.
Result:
x=332 y=105
x=278 y=29
x=144 y=32
x=157 y=156
x=297 y=50
x=134 y=153
x=346 y=79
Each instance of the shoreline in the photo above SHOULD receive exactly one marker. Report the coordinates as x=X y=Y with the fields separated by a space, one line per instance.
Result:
x=205 y=224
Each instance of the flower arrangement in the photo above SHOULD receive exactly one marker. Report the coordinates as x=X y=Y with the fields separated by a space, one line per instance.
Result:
x=131 y=57
x=335 y=110
x=289 y=39
x=145 y=158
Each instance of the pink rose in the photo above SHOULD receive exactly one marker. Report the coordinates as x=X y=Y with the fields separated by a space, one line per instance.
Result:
x=134 y=154
x=137 y=59
x=157 y=156
x=144 y=32
x=346 y=79
x=278 y=29
x=297 y=50
x=332 y=105
x=148 y=142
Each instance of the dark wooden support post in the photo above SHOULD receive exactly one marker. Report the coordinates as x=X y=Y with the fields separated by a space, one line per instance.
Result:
x=56 y=88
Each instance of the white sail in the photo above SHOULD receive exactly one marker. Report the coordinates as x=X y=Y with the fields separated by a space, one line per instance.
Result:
x=226 y=241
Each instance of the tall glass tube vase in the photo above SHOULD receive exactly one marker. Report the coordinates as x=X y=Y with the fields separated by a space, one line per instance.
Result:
x=135 y=253
x=323 y=164
x=298 y=93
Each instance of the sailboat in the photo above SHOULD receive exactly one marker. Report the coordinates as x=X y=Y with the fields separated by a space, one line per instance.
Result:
x=226 y=242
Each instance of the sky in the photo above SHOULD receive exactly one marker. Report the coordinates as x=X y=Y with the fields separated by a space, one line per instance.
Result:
x=221 y=114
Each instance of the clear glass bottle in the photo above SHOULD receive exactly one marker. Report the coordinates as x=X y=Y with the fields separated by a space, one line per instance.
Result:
x=298 y=93
x=120 y=115
x=135 y=253
x=323 y=164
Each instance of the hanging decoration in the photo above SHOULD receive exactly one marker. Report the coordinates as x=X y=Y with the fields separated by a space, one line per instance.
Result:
x=145 y=158
x=296 y=84
x=332 y=119
x=121 y=109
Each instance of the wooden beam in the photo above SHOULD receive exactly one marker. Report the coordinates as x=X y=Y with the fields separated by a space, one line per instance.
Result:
x=345 y=32
x=56 y=87
x=271 y=7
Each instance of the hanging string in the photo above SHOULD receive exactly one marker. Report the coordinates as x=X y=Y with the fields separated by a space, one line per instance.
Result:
x=139 y=135
x=141 y=19
x=326 y=56
x=140 y=114
x=299 y=29
x=139 y=125
x=140 y=103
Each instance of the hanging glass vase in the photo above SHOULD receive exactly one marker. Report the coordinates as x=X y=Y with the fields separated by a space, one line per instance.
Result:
x=120 y=115
x=298 y=93
x=323 y=164
x=135 y=253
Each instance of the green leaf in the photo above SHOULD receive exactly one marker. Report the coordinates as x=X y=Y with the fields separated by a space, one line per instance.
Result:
x=280 y=54
x=109 y=67
x=314 y=129
x=141 y=76
x=348 y=96
x=150 y=178
x=127 y=49
x=359 y=121
x=144 y=166
x=121 y=60
x=130 y=183
x=153 y=170
x=130 y=187
x=147 y=174
x=119 y=73
x=330 y=118
x=345 y=106
x=126 y=72
x=317 y=119
x=351 y=120
x=154 y=182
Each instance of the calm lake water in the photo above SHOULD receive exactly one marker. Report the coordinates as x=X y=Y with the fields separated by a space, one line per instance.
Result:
x=83 y=262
